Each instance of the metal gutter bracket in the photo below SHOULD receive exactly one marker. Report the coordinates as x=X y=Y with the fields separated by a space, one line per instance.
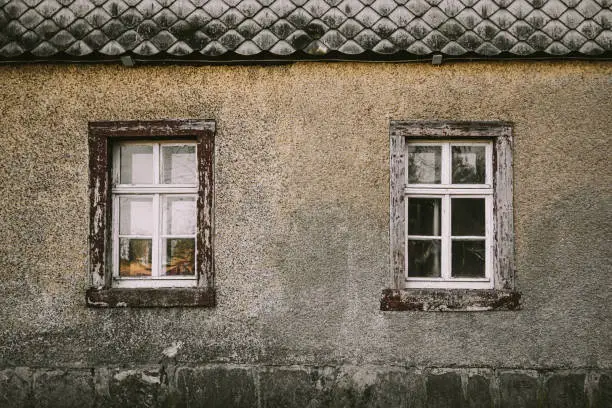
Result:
x=127 y=61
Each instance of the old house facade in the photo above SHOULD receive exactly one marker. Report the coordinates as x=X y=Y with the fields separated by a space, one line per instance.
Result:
x=270 y=203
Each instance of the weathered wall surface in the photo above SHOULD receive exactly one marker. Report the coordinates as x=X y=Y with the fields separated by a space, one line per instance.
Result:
x=302 y=213
x=229 y=385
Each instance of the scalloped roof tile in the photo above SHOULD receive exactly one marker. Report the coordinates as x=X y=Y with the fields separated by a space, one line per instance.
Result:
x=250 y=28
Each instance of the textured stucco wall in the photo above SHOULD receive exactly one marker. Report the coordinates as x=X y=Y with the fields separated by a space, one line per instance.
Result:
x=302 y=213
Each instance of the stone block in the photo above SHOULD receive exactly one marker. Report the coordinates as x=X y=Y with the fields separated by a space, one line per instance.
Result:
x=362 y=387
x=130 y=388
x=291 y=388
x=372 y=387
x=63 y=389
x=15 y=388
x=444 y=390
x=211 y=387
x=478 y=392
x=396 y=389
x=602 y=397
x=518 y=390
x=565 y=391
x=368 y=388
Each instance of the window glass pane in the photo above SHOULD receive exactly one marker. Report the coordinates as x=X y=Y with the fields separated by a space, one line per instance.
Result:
x=424 y=216
x=179 y=215
x=179 y=257
x=468 y=259
x=424 y=258
x=135 y=257
x=468 y=216
x=136 y=164
x=424 y=164
x=468 y=164
x=179 y=164
x=136 y=215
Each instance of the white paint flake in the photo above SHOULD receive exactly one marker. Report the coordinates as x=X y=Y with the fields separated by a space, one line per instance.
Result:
x=171 y=351
x=124 y=374
x=143 y=376
x=150 y=379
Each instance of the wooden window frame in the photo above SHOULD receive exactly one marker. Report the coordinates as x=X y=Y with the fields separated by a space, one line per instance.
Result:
x=101 y=137
x=503 y=294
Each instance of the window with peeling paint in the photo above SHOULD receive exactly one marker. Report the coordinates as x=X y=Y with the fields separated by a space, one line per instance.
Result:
x=150 y=235
x=451 y=217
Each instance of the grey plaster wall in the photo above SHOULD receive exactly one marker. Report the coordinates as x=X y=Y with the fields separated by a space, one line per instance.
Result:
x=302 y=213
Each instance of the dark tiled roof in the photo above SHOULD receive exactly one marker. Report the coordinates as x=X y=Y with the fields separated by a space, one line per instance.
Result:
x=243 y=28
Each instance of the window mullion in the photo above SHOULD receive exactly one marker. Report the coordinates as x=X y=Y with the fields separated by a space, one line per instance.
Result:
x=156 y=237
x=156 y=163
x=446 y=164
x=115 y=179
x=115 y=232
x=446 y=233
x=157 y=215
x=489 y=231
x=406 y=232
x=489 y=164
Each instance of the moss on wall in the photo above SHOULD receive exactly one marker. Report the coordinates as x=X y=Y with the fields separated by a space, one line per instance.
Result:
x=302 y=207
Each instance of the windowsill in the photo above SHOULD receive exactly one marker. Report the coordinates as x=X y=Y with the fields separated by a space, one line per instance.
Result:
x=150 y=297
x=449 y=300
x=150 y=283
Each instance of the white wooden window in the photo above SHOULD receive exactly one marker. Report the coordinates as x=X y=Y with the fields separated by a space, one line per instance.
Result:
x=154 y=214
x=449 y=214
x=451 y=228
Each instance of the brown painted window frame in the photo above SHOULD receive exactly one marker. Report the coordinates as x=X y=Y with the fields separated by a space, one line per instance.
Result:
x=101 y=137
x=504 y=295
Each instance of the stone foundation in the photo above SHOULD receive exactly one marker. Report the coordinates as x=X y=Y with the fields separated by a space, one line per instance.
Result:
x=224 y=385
